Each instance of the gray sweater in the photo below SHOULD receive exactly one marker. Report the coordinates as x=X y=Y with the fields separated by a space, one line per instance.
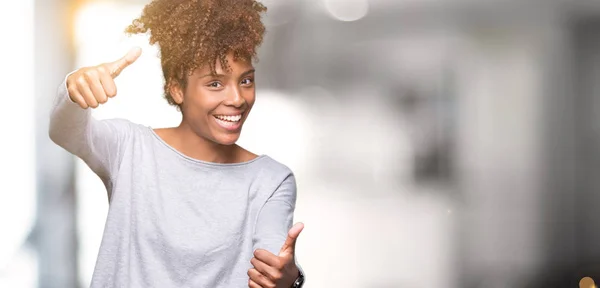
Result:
x=175 y=221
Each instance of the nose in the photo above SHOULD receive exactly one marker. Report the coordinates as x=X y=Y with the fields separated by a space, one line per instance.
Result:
x=234 y=98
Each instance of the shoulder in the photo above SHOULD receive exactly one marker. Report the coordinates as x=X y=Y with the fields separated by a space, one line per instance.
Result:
x=277 y=176
x=125 y=130
x=119 y=123
x=274 y=168
x=125 y=125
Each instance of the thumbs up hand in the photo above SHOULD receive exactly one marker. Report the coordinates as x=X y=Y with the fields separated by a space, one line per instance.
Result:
x=91 y=86
x=276 y=271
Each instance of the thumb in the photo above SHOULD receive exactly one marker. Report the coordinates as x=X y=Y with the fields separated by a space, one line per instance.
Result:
x=289 y=246
x=117 y=67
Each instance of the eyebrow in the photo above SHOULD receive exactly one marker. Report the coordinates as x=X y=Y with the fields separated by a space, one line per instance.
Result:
x=223 y=75
x=248 y=72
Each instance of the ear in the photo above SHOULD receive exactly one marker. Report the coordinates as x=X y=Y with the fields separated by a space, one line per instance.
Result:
x=176 y=91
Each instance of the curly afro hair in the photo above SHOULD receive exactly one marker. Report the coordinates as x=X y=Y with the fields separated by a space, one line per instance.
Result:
x=195 y=33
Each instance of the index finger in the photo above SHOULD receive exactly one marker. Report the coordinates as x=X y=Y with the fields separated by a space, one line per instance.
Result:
x=267 y=257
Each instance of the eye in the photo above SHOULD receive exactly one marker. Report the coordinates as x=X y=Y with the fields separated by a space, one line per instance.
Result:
x=247 y=81
x=214 y=84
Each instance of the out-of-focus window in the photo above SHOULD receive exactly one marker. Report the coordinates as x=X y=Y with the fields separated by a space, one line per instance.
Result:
x=18 y=262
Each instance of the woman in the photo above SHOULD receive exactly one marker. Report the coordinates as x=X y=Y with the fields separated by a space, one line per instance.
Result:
x=188 y=207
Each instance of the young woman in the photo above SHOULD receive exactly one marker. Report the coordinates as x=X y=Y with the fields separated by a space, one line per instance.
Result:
x=188 y=207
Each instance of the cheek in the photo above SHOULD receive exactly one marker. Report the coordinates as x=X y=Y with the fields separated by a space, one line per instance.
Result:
x=250 y=99
x=201 y=102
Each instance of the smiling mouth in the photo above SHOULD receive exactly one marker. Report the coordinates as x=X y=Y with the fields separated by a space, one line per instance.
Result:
x=230 y=123
x=229 y=118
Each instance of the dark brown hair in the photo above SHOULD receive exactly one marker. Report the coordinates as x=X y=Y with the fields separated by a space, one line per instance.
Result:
x=195 y=33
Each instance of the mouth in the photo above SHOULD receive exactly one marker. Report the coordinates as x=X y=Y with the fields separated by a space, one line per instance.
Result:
x=229 y=122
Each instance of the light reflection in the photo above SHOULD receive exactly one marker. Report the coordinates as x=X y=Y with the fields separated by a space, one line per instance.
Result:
x=347 y=10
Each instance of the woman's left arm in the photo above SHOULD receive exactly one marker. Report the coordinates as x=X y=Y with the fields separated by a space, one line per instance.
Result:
x=274 y=263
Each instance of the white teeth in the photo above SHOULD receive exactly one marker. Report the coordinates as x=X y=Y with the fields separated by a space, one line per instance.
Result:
x=235 y=118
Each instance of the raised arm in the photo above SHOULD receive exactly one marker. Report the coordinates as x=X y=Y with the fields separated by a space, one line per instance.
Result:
x=98 y=143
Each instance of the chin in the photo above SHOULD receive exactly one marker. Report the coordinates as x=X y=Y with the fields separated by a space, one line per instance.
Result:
x=227 y=139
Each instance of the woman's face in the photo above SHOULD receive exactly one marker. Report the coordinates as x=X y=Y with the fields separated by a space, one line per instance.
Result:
x=216 y=106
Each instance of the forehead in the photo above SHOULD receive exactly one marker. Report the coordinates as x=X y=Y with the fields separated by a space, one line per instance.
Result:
x=236 y=66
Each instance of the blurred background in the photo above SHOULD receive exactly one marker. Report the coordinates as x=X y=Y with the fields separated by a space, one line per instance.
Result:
x=436 y=143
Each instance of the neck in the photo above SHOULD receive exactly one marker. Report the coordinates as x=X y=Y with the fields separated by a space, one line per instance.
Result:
x=186 y=141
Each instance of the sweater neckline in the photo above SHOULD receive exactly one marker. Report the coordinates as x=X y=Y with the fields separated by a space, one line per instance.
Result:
x=202 y=162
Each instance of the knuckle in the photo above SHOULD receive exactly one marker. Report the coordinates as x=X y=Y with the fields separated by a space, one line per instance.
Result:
x=261 y=253
x=90 y=73
x=72 y=91
x=80 y=81
x=111 y=91
x=71 y=81
x=101 y=69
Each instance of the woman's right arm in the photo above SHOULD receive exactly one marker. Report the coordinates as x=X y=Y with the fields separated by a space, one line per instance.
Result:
x=97 y=142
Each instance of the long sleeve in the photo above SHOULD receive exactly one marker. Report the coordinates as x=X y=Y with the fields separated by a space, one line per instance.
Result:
x=275 y=218
x=97 y=142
